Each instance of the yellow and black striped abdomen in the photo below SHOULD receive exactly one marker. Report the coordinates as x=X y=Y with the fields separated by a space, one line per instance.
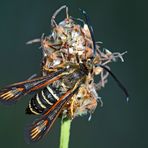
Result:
x=47 y=97
x=42 y=101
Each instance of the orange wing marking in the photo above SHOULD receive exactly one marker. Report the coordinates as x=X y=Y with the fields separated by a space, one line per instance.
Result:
x=8 y=95
x=41 y=125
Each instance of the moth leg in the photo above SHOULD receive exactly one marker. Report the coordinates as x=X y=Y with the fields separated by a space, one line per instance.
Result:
x=72 y=106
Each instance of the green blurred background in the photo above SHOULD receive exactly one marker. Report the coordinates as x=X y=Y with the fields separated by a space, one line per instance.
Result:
x=121 y=25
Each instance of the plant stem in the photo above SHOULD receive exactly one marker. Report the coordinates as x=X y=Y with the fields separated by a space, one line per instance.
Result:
x=65 y=133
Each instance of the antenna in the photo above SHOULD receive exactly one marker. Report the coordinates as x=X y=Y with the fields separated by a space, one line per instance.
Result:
x=87 y=19
x=117 y=81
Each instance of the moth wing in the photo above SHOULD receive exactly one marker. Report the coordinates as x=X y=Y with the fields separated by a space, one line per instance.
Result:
x=12 y=93
x=41 y=127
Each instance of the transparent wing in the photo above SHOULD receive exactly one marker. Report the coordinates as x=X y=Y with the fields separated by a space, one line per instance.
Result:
x=41 y=127
x=12 y=93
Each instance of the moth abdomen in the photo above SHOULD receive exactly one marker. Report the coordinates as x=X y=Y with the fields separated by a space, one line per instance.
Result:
x=42 y=101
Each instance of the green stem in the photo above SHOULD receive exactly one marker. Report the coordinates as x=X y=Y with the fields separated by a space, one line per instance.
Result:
x=65 y=133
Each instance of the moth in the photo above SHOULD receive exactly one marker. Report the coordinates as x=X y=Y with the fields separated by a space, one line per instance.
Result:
x=71 y=60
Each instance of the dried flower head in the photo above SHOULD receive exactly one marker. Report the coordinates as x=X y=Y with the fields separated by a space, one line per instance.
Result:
x=67 y=87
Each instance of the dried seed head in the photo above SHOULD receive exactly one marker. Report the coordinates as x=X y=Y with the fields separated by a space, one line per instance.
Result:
x=71 y=43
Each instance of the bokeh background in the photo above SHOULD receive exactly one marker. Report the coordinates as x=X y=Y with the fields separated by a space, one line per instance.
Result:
x=120 y=25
